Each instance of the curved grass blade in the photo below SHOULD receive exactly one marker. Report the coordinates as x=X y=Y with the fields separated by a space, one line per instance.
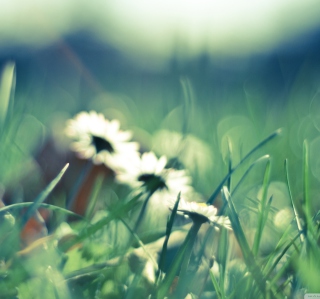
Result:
x=42 y=196
x=19 y=206
x=221 y=212
x=89 y=230
x=264 y=208
x=296 y=216
x=7 y=86
x=268 y=270
x=262 y=143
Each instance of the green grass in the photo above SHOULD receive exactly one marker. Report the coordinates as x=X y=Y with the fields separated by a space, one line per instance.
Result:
x=117 y=250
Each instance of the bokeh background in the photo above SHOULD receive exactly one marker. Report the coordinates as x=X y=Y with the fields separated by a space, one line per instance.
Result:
x=214 y=70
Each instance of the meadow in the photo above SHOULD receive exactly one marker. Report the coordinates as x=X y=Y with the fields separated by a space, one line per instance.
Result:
x=176 y=188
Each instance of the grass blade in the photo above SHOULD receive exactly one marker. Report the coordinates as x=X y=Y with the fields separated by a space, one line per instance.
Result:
x=163 y=254
x=22 y=205
x=7 y=85
x=167 y=281
x=89 y=230
x=263 y=210
x=296 y=216
x=216 y=286
x=221 y=212
x=42 y=196
x=243 y=243
x=223 y=257
x=306 y=196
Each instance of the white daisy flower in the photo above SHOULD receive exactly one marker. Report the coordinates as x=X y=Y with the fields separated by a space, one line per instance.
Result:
x=201 y=212
x=101 y=140
x=151 y=173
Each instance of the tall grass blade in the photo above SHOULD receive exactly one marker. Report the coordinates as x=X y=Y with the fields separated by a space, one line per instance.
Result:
x=229 y=162
x=263 y=210
x=163 y=254
x=7 y=86
x=257 y=147
x=296 y=216
x=243 y=243
x=167 y=281
x=217 y=287
x=223 y=252
x=42 y=196
x=306 y=195
x=188 y=106
x=89 y=230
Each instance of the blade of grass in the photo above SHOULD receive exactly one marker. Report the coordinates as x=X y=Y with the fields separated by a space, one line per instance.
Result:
x=7 y=86
x=223 y=257
x=167 y=281
x=42 y=196
x=306 y=195
x=263 y=210
x=217 y=287
x=263 y=142
x=163 y=254
x=89 y=230
x=229 y=162
x=296 y=216
x=269 y=270
x=221 y=212
x=188 y=107
x=243 y=243
x=22 y=205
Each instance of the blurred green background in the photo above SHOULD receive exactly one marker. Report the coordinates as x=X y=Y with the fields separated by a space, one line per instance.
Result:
x=251 y=68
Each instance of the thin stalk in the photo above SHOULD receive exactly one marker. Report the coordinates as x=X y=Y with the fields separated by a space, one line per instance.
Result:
x=141 y=214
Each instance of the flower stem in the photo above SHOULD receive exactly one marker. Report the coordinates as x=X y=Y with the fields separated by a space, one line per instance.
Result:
x=143 y=209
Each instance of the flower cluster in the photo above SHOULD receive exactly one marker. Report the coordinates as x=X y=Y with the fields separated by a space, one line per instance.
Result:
x=96 y=138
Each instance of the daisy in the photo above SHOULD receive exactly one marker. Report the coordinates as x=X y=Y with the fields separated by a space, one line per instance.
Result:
x=99 y=139
x=201 y=212
x=151 y=173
